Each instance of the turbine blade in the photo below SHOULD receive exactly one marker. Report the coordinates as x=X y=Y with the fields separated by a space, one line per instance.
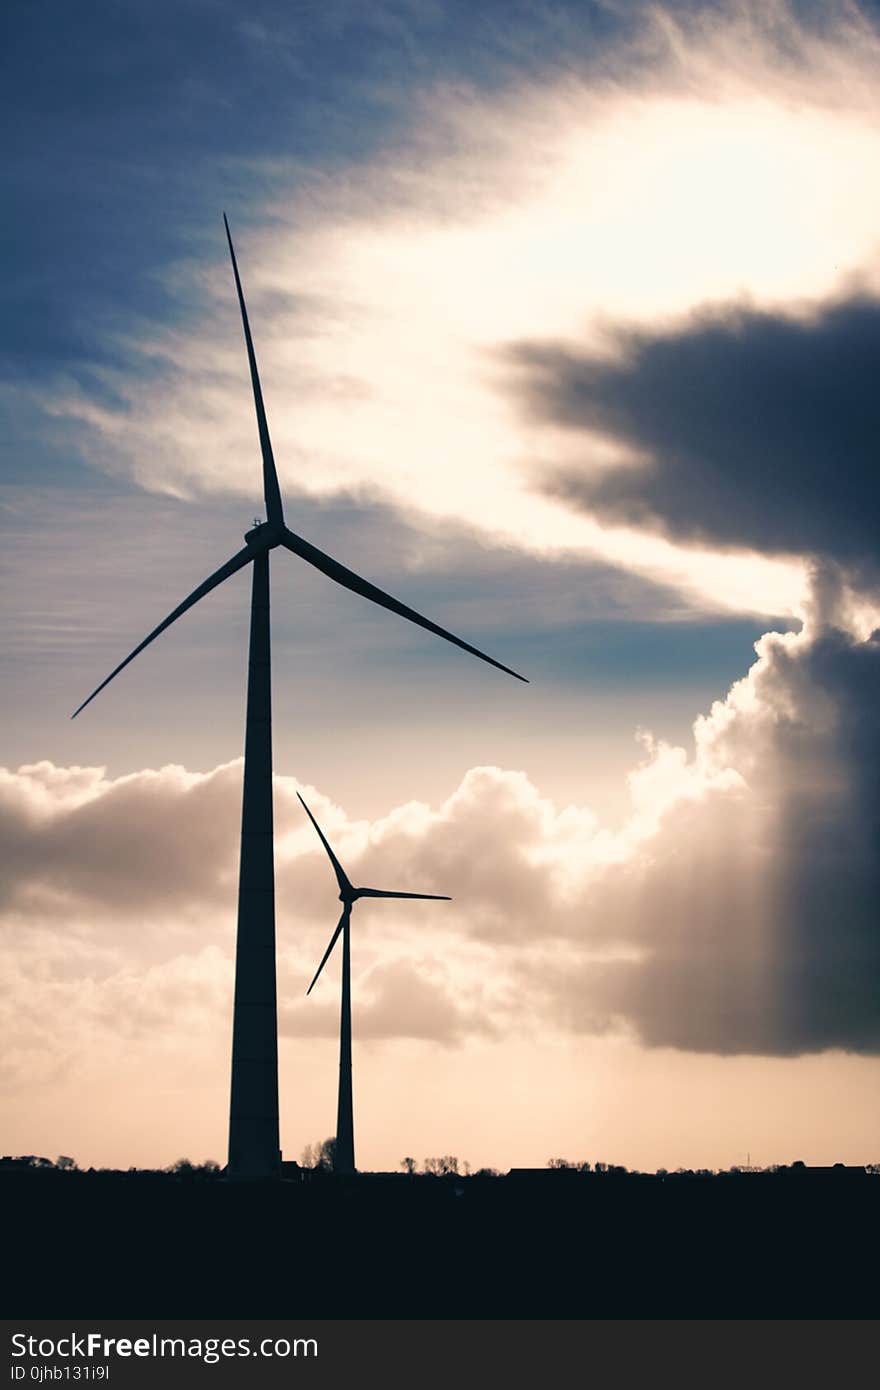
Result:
x=271 y=490
x=349 y=580
x=378 y=893
x=346 y=912
x=341 y=876
x=236 y=563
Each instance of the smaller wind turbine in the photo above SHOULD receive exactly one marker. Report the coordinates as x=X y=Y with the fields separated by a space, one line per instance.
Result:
x=343 y=1161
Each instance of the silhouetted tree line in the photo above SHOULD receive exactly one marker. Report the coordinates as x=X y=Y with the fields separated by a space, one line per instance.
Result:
x=62 y=1163
x=319 y=1157
x=583 y=1167
x=182 y=1168
x=798 y=1166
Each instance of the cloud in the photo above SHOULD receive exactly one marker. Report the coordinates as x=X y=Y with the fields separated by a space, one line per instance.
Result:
x=743 y=427
x=686 y=166
x=417 y=998
x=134 y=848
x=733 y=912
x=756 y=906
x=67 y=1006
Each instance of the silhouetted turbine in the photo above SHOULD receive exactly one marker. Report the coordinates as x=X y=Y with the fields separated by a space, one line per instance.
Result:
x=343 y=1161
x=253 y=1119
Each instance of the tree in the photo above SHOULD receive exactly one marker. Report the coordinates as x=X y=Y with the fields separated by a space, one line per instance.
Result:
x=408 y=1165
x=319 y=1156
x=441 y=1167
x=65 y=1163
x=183 y=1168
x=327 y=1156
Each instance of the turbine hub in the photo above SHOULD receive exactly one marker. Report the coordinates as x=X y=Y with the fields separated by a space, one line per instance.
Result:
x=264 y=533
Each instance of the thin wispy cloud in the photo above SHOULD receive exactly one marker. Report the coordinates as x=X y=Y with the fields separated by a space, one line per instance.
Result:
x=547 y=211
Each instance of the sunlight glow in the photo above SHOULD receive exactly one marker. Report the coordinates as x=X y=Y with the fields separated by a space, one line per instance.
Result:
x=382 y=312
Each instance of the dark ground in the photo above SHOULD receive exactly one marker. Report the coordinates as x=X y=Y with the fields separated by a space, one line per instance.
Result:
x=547 y=1245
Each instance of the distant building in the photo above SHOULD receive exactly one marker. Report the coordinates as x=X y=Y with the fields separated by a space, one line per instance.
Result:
x=543 y=1174
x=838 y=1170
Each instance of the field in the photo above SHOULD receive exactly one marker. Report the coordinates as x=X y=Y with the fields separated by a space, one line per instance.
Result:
x=540 y=1245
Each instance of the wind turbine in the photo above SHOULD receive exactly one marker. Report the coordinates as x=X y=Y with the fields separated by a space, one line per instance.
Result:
x=343 y=1160
x=253 y=1112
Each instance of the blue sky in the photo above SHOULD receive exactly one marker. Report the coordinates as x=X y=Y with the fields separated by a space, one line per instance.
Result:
x=132 y=128
x=566 y=316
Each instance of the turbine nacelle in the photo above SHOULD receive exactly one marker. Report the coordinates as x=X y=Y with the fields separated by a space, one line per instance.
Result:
x=351 y=894
x=265 y=535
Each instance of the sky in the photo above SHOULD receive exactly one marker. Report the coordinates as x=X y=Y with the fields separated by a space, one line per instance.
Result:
x=567 y=316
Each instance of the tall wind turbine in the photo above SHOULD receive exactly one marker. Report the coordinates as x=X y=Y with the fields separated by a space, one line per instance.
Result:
x=343 y=1161
x=253 y=1113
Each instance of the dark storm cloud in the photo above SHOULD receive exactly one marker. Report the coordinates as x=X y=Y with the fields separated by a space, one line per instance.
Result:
x=753 y=429
x=756 y=913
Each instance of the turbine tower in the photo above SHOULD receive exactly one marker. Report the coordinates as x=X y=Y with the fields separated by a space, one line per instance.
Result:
x=343 y=1160
x=253 y=1112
